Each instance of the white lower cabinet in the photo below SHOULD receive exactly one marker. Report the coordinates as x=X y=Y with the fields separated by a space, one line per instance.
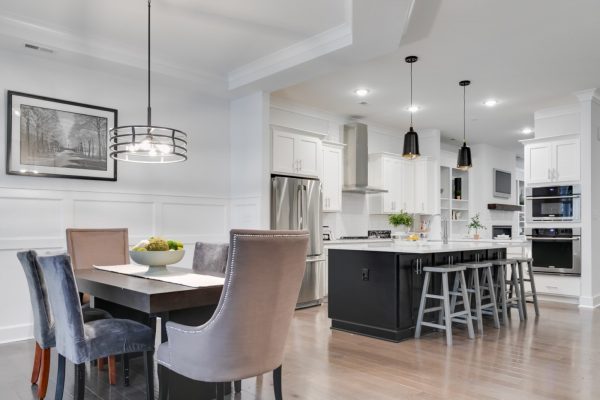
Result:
x=332 y=177
x=412 y=185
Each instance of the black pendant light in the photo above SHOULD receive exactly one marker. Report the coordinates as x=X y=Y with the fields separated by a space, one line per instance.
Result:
x=464 y=154
x=148 y=143
x=411 y=139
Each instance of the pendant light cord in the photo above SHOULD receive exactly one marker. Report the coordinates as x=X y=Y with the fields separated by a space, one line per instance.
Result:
x=149 y=108
x=411 y=95
x=464 y=114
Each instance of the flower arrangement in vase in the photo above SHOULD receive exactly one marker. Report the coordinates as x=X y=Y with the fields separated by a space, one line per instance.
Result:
x=475 y=224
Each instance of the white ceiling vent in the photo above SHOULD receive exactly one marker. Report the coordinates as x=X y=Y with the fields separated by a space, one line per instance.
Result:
x=38 y=48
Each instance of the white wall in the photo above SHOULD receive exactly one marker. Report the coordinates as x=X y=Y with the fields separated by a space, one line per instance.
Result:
x=250 y=161
x=187 y=201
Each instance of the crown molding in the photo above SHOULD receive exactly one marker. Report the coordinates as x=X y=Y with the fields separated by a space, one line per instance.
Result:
x=298 y=53
x=589 y=95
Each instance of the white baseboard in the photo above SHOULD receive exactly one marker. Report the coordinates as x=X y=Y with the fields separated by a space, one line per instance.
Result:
x=589 y=302
x=558 y=298
x=16 y=333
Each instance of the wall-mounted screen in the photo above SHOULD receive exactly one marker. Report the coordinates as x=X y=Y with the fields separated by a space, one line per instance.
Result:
x=502 y=184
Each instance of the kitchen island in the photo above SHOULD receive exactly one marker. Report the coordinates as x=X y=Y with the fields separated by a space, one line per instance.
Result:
x=375 y=289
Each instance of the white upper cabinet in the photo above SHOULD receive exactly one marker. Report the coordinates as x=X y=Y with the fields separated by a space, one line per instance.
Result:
x=332 y=177
x=412 y=185
x=426 y=186
x=295 y=153
x=552 y=161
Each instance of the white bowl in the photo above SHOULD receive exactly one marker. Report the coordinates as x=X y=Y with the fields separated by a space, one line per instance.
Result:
x=156 y=258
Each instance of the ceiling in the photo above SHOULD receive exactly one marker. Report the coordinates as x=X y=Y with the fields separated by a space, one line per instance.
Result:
x=213 y=36
x=526 y=54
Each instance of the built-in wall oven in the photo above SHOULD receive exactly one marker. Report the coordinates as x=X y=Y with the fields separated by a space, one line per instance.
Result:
x=555 y=250
x=554 y=203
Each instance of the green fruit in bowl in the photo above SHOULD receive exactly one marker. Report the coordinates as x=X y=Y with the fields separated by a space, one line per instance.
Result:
x=157 y=244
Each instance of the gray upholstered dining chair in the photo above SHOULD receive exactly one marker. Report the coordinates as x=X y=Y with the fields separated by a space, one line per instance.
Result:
x=43 y=322
x=81 y=342
x=210 y=258
x=245 y=337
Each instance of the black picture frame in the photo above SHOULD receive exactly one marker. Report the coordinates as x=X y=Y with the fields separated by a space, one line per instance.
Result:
x=95 y=112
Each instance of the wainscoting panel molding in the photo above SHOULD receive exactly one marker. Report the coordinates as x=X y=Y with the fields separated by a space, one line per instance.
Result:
x=37 y=219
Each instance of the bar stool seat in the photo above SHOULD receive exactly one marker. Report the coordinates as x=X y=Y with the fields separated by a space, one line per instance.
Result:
x=445 y=317
x=478 y=285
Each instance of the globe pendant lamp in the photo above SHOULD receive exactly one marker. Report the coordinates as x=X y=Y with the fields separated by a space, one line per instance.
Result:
x=464 y=153
x=411 y=138
x=148 y=143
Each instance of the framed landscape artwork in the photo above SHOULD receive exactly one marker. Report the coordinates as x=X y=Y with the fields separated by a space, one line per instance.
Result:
x=58 y=138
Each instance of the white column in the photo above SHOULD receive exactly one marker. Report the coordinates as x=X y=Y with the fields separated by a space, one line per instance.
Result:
x=250 y=161
x=590 y=198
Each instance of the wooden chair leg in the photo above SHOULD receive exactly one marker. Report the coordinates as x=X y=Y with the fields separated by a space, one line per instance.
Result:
x=112 y=370
x=149 y=369
x=277 y=383
x=60 y=378
x=163 y=383
x=79 y=390
x=478 y=312
x=220 y=386
x=521 y=281
x=44 y=374
x=37 y=362
x=237 y=386
x=533 y=289
x=101 y=362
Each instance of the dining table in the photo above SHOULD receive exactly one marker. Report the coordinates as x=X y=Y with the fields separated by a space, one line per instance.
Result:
x=153 y=303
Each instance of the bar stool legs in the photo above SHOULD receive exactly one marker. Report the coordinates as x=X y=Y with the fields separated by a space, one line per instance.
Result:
x=521 y=280
x=446 y=316
x=533 y=292
x=501 y=283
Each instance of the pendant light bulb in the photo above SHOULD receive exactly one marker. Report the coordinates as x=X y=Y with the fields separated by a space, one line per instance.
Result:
x=464 y=153
x=411 y=138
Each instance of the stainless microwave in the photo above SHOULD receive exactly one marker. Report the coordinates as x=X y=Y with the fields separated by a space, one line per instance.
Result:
x=553 y=203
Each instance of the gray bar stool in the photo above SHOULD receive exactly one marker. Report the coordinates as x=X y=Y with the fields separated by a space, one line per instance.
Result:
x=478 y=285
x=444 y=309
x=521 y=279
x=509 y=298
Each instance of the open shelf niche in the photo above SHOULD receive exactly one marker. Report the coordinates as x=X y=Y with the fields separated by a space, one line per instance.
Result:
x=453 y=209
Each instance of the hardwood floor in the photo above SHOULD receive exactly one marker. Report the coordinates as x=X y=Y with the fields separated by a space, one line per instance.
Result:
x=554 y=357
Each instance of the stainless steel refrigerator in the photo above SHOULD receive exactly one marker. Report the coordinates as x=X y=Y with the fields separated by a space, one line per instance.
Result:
x=296 y=205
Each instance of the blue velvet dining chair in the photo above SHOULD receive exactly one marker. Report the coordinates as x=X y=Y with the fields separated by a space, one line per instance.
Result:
x=43 y=323
x=80 y=341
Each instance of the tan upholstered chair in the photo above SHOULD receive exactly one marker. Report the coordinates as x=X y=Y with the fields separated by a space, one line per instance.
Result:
x=98 y=246
x=246 y=335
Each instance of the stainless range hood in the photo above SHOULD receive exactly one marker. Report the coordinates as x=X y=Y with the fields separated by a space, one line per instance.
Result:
x=356 y=171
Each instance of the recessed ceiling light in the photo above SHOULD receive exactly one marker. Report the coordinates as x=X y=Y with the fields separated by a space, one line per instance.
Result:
x=414 y=108
x=527 y=131
x=362 y=92
x=490 y=102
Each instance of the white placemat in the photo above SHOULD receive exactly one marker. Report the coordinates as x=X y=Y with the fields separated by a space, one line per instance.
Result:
x=179 y=276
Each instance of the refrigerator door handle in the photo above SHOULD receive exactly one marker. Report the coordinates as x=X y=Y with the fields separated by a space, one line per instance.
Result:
x=299 y=206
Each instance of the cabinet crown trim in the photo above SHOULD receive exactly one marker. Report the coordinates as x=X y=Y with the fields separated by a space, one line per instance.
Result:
x=288 y=129
x=550 y=139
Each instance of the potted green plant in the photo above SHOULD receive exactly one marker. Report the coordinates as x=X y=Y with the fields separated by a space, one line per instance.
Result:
x=403 y=219
x=475 y=224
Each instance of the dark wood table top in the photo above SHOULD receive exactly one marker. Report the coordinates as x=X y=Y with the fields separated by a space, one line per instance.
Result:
x=146 y=295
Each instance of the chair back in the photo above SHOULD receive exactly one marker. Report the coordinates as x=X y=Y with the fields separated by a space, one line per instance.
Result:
x=43 y=322
x=246 y=335
x=64 y=300
x=89 y=247
x=210 y=258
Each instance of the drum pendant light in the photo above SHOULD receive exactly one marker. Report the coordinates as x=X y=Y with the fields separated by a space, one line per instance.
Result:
x=148 y=143
x=411 y=138
x=464 y=153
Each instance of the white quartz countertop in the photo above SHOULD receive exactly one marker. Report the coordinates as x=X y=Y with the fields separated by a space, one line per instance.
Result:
x=423 y=247
x=354 y=241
